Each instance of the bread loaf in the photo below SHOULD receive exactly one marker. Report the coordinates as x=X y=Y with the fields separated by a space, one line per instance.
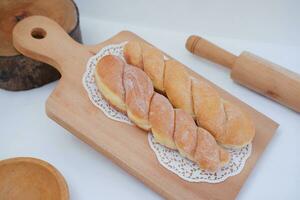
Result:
x=225 y=121
x=130 y=90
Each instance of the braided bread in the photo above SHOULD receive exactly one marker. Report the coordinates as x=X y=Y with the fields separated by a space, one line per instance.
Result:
x=225 y=121
x=130 y=91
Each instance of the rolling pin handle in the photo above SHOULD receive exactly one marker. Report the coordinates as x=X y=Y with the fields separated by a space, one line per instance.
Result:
x=201 y=47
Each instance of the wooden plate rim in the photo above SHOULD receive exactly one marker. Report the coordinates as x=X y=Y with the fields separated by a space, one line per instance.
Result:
x=62 y=184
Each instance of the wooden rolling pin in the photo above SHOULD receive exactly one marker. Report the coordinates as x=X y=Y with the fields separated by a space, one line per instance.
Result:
x=253 y=72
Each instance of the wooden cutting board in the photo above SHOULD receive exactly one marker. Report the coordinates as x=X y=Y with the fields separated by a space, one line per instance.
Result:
x=69 y=105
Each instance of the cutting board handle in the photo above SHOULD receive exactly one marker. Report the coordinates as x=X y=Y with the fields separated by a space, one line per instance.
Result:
x=201 y=47
x=41 y=38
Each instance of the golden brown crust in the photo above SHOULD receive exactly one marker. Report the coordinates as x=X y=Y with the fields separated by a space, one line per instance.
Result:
x=154 y=66
x=108 y=100
x=224 y=156
x=161 y=118
x=207 y=153
x=239 y=129
x=110 y=80
x=150 y=110
x=185 y=134
x=139 y=91
x=227 y=123
x=208 y=107
x=112 y=75
x=177 y=82
x=133 y=54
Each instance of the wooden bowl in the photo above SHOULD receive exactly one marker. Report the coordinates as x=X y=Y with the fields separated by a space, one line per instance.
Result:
x=31 y=179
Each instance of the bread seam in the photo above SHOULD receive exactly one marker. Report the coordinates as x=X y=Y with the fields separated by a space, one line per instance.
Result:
x=192 y=99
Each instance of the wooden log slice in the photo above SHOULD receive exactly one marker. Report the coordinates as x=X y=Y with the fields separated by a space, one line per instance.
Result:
x=18 y=72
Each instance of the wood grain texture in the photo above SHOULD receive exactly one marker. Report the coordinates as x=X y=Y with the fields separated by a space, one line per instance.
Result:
x=258 y=74
x=18 y=72
x=201 y=47
x=126 y=145
x=31 y=179
x=268 y=79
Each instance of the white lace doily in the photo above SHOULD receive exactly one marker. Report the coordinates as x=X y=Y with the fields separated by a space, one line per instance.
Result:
x=189 y=171
x=170 y=159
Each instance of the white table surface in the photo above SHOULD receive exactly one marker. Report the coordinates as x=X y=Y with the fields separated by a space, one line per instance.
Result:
x=27 y=131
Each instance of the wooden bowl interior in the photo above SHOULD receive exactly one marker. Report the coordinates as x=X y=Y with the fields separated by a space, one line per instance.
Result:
x=32 y=179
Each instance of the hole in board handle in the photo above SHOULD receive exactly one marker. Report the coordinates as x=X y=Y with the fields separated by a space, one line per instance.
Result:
x=38 y=33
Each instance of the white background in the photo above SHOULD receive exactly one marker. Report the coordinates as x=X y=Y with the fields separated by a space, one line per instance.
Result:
x=268 y=28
